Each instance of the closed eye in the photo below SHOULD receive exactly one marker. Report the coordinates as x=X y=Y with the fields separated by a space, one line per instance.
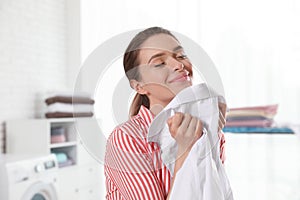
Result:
x=182 y=57
x=160 y=65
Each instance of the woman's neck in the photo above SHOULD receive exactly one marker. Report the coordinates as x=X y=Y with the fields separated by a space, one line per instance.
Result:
x=156 y=105
x=155 y=109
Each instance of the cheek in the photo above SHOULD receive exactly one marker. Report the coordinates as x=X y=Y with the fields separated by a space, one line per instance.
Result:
x=161 y=90
x=155 y=76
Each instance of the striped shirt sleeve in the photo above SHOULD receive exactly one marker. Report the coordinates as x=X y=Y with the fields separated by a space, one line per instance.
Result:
x=222 y=146
x=129 y=169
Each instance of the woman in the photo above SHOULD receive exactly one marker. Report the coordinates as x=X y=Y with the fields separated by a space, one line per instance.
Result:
x=157 y=69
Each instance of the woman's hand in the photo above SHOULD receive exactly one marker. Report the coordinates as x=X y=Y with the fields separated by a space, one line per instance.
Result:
x=186 y=130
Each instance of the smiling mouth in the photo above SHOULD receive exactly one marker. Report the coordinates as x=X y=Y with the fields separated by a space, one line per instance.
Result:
x=181 y=78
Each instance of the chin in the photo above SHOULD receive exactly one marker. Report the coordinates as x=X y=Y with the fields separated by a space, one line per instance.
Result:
x=181 y=87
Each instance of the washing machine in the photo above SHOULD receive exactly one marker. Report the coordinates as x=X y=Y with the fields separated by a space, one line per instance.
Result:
x=28 y=177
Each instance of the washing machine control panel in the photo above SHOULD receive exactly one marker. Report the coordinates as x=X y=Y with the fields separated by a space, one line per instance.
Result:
x=46 y=165
x=24 y=170
x=49 y=164
x=39 y=168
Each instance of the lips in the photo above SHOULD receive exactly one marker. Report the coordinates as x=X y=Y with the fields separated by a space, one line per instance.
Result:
x=180 y=77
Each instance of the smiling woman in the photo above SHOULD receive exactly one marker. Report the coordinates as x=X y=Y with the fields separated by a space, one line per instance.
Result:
x=163 y=71
x=157 y=69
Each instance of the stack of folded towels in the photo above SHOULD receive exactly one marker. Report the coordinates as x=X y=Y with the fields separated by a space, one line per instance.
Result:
x=63 y=160
x=259 y=116
x=67 y=105
x=57 y=135
x=258 y=119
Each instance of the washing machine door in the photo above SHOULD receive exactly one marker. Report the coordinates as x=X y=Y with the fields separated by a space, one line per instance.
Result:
x=40 y=191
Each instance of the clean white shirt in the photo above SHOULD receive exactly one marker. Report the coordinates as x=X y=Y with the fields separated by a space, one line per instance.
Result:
x=202 y=175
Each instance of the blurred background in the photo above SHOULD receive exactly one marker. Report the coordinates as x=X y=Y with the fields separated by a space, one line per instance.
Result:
x=255 y=46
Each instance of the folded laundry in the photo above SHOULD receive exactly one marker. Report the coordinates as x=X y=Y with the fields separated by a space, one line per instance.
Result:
x=61 y=157
x=272 y=130
x=57 y=131
x=247 y=119
x=68 y=93
x=270 y=109
x=57 y=138
x=70 y=100
x=62 y=114
x=67 y=107
x=241 y=118
x=252 y=113
x=250 y=123
x=66 y=163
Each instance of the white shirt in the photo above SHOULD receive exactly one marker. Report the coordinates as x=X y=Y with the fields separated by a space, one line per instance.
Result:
x=202 y=175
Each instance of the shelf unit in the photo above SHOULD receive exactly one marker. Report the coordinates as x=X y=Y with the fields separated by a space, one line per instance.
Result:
x=63 y=144
x=36 y=137
x=33 y=136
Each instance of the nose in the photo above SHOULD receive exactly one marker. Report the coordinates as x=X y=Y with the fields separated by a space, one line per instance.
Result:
x=175 y=65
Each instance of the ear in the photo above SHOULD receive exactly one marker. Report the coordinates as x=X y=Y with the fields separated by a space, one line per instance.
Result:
x=138 y=86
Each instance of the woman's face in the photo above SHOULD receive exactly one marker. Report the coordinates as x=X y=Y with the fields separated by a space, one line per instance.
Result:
x=163 y=69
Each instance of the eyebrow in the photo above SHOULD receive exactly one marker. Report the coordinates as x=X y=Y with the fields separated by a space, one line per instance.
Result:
x=161 y=54
x=178 y=48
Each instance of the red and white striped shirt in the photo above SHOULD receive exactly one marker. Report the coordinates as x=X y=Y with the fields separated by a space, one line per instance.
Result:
x=133 y=166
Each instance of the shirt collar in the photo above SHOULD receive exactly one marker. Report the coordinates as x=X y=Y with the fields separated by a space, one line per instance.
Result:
x=146 y=115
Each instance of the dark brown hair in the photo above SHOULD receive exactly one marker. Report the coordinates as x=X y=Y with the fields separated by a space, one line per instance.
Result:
x=131 y=61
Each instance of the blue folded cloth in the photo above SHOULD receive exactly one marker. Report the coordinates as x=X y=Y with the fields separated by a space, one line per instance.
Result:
x=61 y=157
x=258 y=130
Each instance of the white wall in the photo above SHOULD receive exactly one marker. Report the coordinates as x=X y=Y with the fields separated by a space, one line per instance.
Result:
x=256 y=48
x=32 y=55
x=254 y=44
x=101 y=20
